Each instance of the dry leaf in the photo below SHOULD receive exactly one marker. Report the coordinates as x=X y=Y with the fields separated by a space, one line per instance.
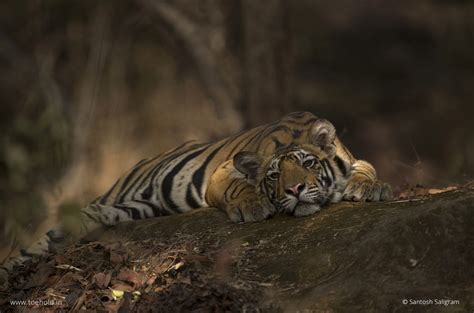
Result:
x=433 y=191
x=60 y=259
x=68 y=267
x=420 y=191
x=112 y=307
x=102 y=280
x=117 y=257
x=178 y=265
x=150 y=281
x=117 y=294
x=137 y=279
x=122 y=286
x=136 y=295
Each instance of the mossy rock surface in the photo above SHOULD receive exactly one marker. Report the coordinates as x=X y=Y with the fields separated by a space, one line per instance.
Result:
x=350 y=257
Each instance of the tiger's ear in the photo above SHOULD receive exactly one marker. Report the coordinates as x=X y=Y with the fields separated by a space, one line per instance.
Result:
x=248 y=163
x=324 y=134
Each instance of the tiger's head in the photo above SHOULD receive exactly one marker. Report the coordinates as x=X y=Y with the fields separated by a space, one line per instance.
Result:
x=298 y=179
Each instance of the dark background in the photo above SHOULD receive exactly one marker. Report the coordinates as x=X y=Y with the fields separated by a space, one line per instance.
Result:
x=88 y=88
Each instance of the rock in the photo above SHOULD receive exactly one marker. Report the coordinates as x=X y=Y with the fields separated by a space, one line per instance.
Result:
x=351 y=257
x=409 y=255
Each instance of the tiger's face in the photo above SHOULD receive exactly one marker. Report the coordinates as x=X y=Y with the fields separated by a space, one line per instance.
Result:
x=298 y=180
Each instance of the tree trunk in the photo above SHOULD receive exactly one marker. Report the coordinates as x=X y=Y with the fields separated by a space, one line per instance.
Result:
x=266 y=60
x=241 y=52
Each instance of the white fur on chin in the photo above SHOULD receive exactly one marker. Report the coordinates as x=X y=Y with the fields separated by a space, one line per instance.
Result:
x=305 y=209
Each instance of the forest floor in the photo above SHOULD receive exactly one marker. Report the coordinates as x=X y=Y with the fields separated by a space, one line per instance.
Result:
x=414 y=254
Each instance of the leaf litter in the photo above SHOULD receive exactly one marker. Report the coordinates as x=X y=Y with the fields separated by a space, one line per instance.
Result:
x=138 y=276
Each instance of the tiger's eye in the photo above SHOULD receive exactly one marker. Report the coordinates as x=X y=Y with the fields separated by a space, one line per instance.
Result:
x=274 y=175
x=308 y=163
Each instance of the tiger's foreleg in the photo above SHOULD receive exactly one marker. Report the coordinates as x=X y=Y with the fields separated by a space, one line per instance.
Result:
x=230 y=191
x=363 y=184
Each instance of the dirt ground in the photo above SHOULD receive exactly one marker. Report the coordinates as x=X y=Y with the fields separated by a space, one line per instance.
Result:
x=350 y=257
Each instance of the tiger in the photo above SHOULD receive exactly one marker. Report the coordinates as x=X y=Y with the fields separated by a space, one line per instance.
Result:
x=294 y=165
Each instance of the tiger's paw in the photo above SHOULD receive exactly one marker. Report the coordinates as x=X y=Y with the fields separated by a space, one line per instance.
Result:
x=367 y=190
x=250 y=210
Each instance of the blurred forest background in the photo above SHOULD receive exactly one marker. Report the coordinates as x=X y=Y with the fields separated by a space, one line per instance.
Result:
x=88 y=88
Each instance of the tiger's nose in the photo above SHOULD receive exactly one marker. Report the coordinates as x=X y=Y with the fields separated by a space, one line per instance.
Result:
x=295 y=190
